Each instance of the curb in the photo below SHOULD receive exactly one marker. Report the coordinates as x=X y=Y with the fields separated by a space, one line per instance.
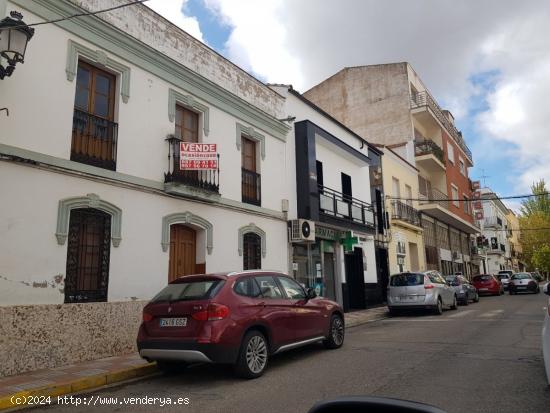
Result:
x=87 y=383
x=356 y=323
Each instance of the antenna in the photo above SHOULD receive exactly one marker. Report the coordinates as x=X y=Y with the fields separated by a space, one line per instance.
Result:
x=484 y=177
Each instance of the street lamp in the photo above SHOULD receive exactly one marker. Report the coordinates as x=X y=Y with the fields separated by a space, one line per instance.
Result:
x=14 y=36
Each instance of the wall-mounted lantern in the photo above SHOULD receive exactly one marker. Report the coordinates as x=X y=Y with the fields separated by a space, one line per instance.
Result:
x=14 y=36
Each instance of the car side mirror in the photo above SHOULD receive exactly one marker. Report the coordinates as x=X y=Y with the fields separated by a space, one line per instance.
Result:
x=360 y=404
x=547 y=289
x=310 y=293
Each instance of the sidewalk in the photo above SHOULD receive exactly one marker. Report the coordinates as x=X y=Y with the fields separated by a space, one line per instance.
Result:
x=94 y=374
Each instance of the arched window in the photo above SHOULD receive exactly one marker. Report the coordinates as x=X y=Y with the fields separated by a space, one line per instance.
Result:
x=252 y=251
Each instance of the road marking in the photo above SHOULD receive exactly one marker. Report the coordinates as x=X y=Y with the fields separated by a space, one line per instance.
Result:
x=462 y=313
x=493 y=313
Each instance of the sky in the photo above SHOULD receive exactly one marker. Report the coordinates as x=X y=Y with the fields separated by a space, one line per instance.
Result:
x=487 y=61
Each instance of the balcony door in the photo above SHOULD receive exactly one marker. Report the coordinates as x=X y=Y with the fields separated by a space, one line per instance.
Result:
x=251 y=183
x=94 y=130
x=187 y=130
x=183 y=251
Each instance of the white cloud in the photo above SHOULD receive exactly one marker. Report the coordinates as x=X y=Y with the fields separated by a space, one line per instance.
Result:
x=172 y=10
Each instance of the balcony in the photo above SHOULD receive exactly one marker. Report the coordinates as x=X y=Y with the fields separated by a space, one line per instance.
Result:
x=425 y=100
x=405 y=213
x=335 y=205
x=251 y=187
x=203 y=184
x=492 y=222
x=435 y=204
x=429 y=155
x=94 y=140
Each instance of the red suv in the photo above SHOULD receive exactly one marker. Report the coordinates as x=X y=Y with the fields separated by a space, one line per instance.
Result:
x=240 y=318
x=488 y=284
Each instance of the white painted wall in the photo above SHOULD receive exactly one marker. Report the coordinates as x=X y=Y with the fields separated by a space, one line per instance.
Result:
x=29 y=252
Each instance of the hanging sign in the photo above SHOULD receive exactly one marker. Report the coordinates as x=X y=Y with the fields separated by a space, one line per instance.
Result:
x=198 y=156
x=476 y=185
x=477 y=205
x=349 y=241
x=479 y=215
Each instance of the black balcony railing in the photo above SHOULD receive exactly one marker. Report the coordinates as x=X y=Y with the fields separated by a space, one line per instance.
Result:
x=433 y=195
x=209 y=180
x=405 y=213
x=94 y=140
x=427 y=147
x=338 y=205
x=492 y=222
x=425 y=99
x=251 y=187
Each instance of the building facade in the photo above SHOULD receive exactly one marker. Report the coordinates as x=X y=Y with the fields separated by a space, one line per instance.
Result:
x=330 y=172
x=405 y=240
x=95 y=188
x=516 y=250
x=390 y=105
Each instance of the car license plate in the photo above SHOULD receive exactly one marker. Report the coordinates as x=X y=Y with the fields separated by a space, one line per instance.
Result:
x=483 y=289
x=521 y=287
x=173 y=322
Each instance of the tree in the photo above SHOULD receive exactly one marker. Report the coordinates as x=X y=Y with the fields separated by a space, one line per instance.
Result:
x=541 y=258
x=540 y=203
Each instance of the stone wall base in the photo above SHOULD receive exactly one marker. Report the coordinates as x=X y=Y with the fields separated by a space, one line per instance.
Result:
x=34 y=337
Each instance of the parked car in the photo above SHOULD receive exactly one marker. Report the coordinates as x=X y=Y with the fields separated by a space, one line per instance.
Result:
x=240 y=318
x=420 y=290
x=464 y=290
x=536 y=276
x=546 y=335
x=523 y=282
x=504 y=277
x=488 y=284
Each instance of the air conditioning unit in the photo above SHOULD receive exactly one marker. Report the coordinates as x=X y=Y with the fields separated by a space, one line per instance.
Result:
x=302 y=230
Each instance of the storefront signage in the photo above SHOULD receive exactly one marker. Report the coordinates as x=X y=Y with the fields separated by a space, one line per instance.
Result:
x=476 y=185
x=198 y=156
x=327 y=233
x=349 y=241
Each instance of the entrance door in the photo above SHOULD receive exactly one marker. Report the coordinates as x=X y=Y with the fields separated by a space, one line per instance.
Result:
x=355 y=279
x=183 y=251
x=383 y=271
x=328 y=273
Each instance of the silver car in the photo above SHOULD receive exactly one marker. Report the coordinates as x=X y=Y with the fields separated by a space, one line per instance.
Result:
x=464 y=290
x=420 y=290
x=546 y=335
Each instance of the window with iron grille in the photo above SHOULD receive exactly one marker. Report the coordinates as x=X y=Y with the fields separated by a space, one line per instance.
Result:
x=252 y=251
x=89 y=243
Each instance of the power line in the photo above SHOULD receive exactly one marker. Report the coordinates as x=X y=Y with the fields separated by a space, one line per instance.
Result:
x=88 y=13
x=494 y=198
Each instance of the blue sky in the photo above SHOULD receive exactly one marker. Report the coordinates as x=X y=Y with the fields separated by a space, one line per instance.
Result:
x=487 y=61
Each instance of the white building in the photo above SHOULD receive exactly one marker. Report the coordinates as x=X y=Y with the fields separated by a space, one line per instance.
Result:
x=494 y=229
x=330 y=171
x=96 y=215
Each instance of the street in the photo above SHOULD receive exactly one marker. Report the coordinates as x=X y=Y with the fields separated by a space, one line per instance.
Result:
x=482 y=358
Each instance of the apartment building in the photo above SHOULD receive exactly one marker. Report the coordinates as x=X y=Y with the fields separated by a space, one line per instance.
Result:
x=496 y=233
x=516 y=250
x=330 y=170
x=389 y=104
x=101 y=187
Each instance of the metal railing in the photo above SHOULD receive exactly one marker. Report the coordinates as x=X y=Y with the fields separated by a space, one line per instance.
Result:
x=425 y=99
x=251 y=187
x=208 y=180
x=434 y=196
x=492 y=222
x=338 y=205
x=406 y=213
x=428 y=147
x=94 y=140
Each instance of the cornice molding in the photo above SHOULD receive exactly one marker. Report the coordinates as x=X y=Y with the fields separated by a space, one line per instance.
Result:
x=250 y=132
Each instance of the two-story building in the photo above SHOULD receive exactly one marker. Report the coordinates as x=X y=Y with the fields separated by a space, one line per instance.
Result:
x=104 y=196
x=389 y=104
x=330 y=171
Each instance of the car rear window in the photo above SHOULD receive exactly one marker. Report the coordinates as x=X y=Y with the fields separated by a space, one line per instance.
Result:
x=521 y=276
x=503 y=276
x=406 y=280
x=187 y=291
x=482 y=278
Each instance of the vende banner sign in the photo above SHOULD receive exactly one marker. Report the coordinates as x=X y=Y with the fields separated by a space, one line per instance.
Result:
x=198 y=156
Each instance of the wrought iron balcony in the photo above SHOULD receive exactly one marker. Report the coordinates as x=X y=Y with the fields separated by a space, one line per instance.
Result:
x=405 y=213
x=251 y=187
x=206 y=180
x=336 y=204
x=425 y=99
x=492 y=222
x=94 y=140
x=428 y=147
x=434 y=196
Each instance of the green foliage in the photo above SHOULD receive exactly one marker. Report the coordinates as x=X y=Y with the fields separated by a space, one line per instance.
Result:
x=541 y=258
x=538 y=204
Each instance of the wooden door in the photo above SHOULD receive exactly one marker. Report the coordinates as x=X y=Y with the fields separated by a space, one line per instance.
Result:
x=183 y=251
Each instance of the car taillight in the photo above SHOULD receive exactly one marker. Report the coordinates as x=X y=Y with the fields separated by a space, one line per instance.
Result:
x=428 y=286
x=213 y=312
x=147 y=317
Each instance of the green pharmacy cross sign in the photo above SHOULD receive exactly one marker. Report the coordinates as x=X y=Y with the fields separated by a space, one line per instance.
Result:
x=349 y=241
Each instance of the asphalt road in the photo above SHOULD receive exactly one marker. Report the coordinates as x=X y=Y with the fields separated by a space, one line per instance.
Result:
x=482 y=358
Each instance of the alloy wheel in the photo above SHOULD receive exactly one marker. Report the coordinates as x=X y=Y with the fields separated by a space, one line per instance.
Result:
x=256 y=354
x=337 y=331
